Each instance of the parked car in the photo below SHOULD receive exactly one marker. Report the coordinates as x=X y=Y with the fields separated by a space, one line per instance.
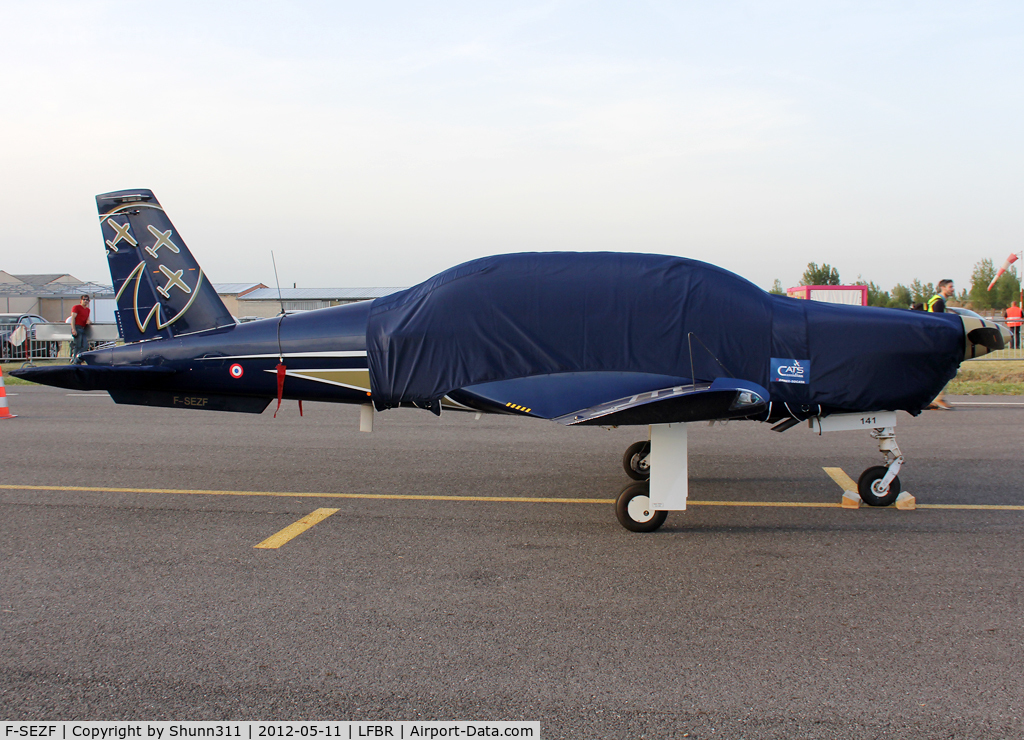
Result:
x=963 y=312
x=9 y=322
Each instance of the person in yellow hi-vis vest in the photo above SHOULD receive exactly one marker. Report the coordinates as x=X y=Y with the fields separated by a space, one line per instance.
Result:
x=937 y=304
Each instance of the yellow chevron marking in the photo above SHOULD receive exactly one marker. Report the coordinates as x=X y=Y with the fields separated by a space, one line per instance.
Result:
x=294 y=530
x=841 y=478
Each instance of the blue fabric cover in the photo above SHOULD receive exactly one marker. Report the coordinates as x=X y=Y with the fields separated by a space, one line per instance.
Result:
x=520 y=315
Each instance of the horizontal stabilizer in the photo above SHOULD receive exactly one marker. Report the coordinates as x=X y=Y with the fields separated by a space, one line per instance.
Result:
x=132 y=384
x=725 y=398
x=206 y=401
x=93 y=378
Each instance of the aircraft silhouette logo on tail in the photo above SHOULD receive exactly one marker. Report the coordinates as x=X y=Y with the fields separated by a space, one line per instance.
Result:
x=121 y=232
x=160 y=289
x=173 y=281
x=163 y=239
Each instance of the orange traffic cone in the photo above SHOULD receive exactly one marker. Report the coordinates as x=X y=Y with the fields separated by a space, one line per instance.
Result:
x=5 y=413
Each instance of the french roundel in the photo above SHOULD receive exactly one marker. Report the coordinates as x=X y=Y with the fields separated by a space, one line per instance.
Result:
x=236 y=371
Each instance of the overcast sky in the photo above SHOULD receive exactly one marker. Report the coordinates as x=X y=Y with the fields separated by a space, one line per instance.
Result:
x=373 y=144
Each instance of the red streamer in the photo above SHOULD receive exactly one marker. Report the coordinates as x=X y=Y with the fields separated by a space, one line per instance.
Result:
x=280 y=386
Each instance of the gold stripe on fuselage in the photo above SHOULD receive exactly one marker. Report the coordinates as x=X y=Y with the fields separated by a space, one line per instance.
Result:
x=355 y=378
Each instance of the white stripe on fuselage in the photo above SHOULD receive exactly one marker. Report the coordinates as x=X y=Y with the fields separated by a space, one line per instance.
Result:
x=339 y=353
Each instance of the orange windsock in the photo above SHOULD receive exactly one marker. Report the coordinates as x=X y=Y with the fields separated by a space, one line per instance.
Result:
x=1006 y=265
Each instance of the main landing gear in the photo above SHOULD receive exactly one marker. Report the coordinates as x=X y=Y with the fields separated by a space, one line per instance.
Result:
x=637 y=460
x=634 y=511
x=643 y=505
x=633 y=507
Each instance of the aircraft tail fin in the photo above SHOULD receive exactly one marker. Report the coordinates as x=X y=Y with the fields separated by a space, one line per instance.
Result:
x=161 y=289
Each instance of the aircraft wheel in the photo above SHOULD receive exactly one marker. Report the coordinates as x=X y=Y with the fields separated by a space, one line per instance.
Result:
x=633 y=509
x=870 y=490
x=633 y=461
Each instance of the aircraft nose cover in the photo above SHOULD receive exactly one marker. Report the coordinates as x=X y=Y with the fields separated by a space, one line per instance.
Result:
x=519 y=315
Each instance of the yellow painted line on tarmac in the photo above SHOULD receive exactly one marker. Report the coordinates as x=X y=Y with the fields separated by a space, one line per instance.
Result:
x=984 y=507
x=769 y=504
x=841 y=478
x=496 y=499
x=292 y=531
x=298 y=494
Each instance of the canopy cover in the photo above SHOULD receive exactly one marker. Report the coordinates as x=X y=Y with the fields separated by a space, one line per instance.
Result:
x=539 y=313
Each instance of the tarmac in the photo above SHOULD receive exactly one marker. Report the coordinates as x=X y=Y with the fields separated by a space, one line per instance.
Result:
x=168 y=564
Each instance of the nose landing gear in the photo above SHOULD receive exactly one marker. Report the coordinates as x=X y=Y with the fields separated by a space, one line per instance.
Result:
x=880 y=485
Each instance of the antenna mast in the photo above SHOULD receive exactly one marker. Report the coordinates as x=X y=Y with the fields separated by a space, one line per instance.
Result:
x=279 y=298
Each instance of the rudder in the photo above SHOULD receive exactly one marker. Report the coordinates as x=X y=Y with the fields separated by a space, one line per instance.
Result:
x=161 y=289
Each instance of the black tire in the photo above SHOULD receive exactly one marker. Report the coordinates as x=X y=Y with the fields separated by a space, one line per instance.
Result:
x=867 y=487
x=632 y=509
x=631 y=460
x=53 y=349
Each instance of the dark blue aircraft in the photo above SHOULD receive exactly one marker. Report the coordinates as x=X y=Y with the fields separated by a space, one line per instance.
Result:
x=579 y=338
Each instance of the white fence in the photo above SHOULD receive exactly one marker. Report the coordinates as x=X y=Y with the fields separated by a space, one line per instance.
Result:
x=42 y=341
x=1012 y=352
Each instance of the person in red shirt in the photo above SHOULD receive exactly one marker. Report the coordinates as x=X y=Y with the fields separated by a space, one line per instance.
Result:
x=79 y=322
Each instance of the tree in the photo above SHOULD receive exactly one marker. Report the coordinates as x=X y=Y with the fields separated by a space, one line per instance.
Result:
x=777 y=288
x=921 y=293
x=1007 y=289
x=901 y=296
x=982 y=275
x=876 y=296
x=824 y=275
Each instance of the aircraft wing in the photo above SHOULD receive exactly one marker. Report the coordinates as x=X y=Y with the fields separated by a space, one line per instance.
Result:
x=610 y=399
x=725 y=398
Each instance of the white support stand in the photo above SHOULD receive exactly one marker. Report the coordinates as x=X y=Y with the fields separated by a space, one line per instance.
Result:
x=669 y=470
x=366 y=417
